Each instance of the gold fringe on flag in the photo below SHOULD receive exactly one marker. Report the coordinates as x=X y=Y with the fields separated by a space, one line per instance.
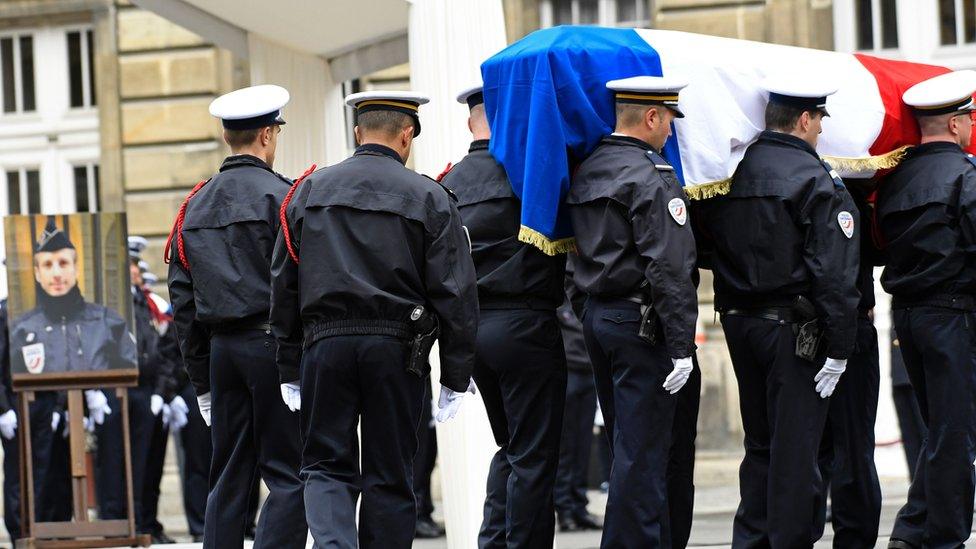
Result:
x=868 y=163
x=885 y=161
x=708 y=190
x=548 y=247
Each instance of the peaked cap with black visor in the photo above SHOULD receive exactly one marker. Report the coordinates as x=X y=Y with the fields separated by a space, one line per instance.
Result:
x=396 y=101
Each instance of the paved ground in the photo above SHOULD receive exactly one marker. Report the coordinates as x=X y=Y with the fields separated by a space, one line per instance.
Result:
x=715 y=506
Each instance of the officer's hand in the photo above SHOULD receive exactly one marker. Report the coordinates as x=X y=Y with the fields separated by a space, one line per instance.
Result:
x=156 y=404
x=8 y=424
x=204 y=402
x=167 y=415
x=179 y=409
x=55 y=421
x=679 y=375
x=97 y=405
x=829 y=375
x=291 y=394
x=450 y=402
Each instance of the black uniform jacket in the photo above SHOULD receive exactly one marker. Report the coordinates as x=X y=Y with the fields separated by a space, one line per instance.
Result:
x=229 y=233
x=630 y=217
x=506 y=268
x=926 y=214
x=91 y=337
x=374 y=241
x=788 y=227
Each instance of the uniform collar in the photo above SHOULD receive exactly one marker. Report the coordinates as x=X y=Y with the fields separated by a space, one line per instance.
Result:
x=376 y=148
x=936 y=146
x=478 y=145
x=242 y=160
x=617 y=139
x=788 y=140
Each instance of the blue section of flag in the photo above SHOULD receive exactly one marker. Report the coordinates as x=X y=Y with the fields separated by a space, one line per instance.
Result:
x=548 y=106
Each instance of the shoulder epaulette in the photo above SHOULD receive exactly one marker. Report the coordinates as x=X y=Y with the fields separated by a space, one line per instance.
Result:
x=659 y=162
x=971 y=159
x=437 y=182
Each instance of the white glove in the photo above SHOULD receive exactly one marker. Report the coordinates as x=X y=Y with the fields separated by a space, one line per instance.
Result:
x=156 y=404
x=167 y=415
x=829 y=375
x=55 y=421
x=679 y=375
x=291 y=394
x=179 y=411
x=450 y=402
x=204 y=402
x=8 y=424
x=97 y=405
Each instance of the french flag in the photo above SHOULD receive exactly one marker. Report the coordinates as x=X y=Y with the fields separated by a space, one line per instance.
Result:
x=548 y=107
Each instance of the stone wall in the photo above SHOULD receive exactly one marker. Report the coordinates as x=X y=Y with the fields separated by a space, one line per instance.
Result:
x=167 y=77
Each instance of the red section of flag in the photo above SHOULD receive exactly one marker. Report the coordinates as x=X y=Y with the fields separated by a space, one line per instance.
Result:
x=894 y=78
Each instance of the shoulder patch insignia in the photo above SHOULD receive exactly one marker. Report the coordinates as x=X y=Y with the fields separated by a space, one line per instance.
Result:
x=677 y=209
x=33 y=357
x=846 y=222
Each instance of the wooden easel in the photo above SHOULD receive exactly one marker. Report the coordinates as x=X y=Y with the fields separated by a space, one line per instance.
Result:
x=80 y=532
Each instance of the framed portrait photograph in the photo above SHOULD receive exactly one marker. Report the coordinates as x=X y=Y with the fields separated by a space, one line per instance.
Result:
x=70 y=309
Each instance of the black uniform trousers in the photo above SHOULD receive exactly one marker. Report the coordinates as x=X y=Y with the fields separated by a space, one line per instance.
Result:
x=110 y=456
x=153 y=476
x=784 y=418
x=639 y=415
x=847 y=448
x=253 y=433
x=41 y=437
x=939 y=348
x=349 y=381
x=196 y=451
x=681 y=461
x=55 y=501
x=569 y=492
x=520 y=370
x=910 y=423
x=426 y=458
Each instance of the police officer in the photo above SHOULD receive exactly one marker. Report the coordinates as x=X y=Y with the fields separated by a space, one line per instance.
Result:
x=520 y=365
x=219 y=281
x=636 y=264
x=785 y=261
x=847 y=450
x=927 y=218
x=371 y=257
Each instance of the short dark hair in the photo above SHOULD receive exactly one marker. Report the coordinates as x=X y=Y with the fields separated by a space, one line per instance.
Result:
x=388 y=122
x=782 y=117
x=241 y=138
x=631 y=114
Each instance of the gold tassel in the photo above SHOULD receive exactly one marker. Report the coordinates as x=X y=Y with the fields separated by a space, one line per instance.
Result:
x=548 y=247
x=869 y=163
x=708 y=190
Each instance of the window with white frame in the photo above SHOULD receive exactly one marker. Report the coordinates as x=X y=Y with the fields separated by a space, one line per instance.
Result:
x=23 y=191
x=80 y=66
x=608 y=13
x=876 y=24
x=86 y=188
x=957 y=22
x=17 y=73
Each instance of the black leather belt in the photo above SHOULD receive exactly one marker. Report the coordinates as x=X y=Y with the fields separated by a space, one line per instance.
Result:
x=516 y=302
x=241 y=326
x=778 y=314
x=946 y=301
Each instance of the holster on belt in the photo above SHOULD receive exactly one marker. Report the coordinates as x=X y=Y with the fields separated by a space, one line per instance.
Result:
x=426 y=330
x=809 y=333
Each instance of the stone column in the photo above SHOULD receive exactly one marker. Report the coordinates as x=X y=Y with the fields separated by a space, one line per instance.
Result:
x=448 y=41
